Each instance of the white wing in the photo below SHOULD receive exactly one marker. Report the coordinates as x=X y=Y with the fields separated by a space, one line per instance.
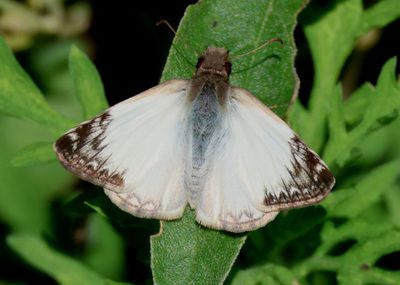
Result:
x=256 y=166
x=135 y=150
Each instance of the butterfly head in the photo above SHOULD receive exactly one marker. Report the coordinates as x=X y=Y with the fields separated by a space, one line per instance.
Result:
x=214 y=61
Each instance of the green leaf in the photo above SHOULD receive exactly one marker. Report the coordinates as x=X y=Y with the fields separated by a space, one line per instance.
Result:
x=88 y=85
x=62 y=268
x=334 y=31
x=352 y=258
x=19 y=96
x=356 y=229
x=96 y=201
x=34 y=154
x=382 y=107
x=241 y=27
x=286 y=228
x=386 y=104
x=105 y=244
x=26 y=192
x=297 y=117
x=184 y=252
x=352 y=201
x=357 y=267
x=392 y=199
x=268 y=274
x=355 y=106
x=337 y=127
x=379 y=15
x=331 y=31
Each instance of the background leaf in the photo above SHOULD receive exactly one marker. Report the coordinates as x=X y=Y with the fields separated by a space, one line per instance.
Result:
x=64 y=269
x=88 y=85
x=20 y=97
x=96 y=201
x=105 y=252
x=364 y=255
x=352 y=201
x=343 y=22
x=335 y=32
x=34 y=154
x=25 y=192
x=268 y=274
x=382 y=108
x=379 y=15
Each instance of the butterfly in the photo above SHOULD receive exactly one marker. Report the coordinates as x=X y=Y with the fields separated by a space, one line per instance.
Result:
x=198 y=142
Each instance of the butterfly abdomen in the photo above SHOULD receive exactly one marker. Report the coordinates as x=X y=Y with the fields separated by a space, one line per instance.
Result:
x=205 y=118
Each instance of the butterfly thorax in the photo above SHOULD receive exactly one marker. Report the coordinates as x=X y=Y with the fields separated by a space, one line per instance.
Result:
x=213 y=69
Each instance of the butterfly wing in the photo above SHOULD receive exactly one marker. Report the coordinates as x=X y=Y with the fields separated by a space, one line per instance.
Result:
x=259 y=166
x=135 y=151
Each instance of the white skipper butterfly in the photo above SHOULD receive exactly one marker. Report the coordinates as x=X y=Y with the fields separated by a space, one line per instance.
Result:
x=200 y=142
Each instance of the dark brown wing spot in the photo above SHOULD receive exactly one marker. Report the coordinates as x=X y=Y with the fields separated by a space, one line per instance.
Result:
x=309 y=179
x=81 y=151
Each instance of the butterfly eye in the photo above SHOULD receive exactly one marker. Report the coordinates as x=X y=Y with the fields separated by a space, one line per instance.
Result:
x=228 y=67
x=199 y=62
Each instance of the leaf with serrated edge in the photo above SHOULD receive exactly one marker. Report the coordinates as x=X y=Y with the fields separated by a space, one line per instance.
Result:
x=352 y=201
x=382 y=108
x=334 y=32
x=379 y=15
x=265 y=274
x=364 y=255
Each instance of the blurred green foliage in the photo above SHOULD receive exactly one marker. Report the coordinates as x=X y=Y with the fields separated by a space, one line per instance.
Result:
x=22 y=21
x=82 y=239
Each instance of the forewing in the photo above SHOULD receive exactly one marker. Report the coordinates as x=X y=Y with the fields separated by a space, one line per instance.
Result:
x=258 y=166
x=135 y=151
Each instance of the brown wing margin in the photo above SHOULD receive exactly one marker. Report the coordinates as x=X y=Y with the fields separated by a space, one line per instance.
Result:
x=80 y=151
x=308 y=175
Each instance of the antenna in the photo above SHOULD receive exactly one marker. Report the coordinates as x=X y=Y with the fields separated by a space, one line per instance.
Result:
x=165 y=22
x=270 y=41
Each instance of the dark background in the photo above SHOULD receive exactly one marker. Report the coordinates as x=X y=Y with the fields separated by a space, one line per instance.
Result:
x=130 y=50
